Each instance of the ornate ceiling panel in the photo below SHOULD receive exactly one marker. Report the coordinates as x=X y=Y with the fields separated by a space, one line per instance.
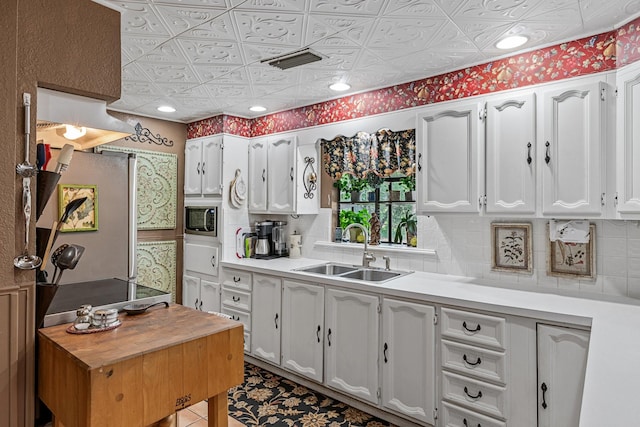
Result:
x=204 y=56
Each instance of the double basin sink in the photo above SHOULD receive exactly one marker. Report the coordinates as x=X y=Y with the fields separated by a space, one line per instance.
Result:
x=353 y=272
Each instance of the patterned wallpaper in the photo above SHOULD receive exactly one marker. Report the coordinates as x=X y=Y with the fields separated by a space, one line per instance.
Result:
x=594 y=54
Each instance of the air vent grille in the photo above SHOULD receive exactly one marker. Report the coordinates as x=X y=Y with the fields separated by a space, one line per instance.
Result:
x=294 y=59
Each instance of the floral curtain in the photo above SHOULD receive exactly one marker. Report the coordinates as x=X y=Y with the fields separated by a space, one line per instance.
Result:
x=382 y=153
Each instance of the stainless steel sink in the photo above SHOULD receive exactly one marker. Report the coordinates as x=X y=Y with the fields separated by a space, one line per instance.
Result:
x=329 y=269
x=372 y=275
x=353 y=272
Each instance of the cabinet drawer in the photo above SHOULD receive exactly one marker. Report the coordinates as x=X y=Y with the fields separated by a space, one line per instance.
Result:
x=238 y=315
x=247 y=342
x=454 y=416
x=474 y=394
x=237 y=279
x=201 y=258
x=474 y=328
x=470 y=360
x=237 y=299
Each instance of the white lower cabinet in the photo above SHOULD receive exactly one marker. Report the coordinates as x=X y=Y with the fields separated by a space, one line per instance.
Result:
x=236 y=300
x=266 y=317
x=488 y=369
x=351 y=350
x=303 y=328
x=200 y=294
x=562 y=360
x=408 y=359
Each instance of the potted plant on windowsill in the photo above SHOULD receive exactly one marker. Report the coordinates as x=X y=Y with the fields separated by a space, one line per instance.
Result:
x=408 y=184
x=373 y=183
x=350 y=217
x=349 y=184
x=409 y=224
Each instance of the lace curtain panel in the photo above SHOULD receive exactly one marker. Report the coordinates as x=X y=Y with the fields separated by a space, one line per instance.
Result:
x=381 y=153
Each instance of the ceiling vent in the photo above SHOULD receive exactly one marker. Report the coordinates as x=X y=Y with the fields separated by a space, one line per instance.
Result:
x=294 y=59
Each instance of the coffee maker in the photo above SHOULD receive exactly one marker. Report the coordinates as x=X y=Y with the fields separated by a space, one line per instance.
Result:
x=279 y=239
x=264 y=244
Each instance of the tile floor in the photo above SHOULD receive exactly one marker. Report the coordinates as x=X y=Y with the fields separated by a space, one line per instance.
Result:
x=196 y=416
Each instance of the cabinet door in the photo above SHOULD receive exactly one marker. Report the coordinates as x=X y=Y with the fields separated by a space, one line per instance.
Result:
x=562 y=360
x=265 y=339
x=209 y=295
x=408 y=359
x=351 y=350
x=302 y=329
x=510 y=155
x=448 y=160
x=281 y=173
x=191 y=291
x=258 y=176
x=572 y=152
x=628 y=140
x=201 y=258
x=193 y=167
x=212 y=166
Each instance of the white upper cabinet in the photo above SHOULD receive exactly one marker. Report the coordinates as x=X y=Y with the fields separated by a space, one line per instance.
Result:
x=281 y=173
x=572 y=150
x=628 y=140
x=203 y=166
x=510 y=154
x=449 y=142
x=258 y=175
x=279 y=177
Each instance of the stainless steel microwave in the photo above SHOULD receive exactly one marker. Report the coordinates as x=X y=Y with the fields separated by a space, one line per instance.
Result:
x=201 y=220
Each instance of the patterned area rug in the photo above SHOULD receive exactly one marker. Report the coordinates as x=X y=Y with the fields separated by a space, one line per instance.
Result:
x=265 y=399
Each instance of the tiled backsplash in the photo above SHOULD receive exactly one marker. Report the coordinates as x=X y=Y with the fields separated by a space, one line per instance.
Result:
x=463 y=248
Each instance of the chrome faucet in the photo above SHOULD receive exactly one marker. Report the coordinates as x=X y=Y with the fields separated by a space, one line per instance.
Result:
x=367 y=257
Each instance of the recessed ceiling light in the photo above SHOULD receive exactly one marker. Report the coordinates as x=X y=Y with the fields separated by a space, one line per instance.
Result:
x=511 y=42
x=257 y=109
x=166 y=109
x=340 y=87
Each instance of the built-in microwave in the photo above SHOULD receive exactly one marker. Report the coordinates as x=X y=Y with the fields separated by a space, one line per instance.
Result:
x=201 y=220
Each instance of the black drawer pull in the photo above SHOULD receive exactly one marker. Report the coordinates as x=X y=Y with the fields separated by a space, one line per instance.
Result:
x=235 y=299
x=236 y=279
x=464 y=325
x=467 y=425
x=477 y=396
x=477 y=362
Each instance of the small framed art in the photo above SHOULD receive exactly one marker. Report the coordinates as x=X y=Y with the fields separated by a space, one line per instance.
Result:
x=573 y=260
x=85 y=218
x=511 y=247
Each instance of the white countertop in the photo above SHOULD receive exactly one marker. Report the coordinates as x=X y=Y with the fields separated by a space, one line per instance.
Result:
x=612 y=379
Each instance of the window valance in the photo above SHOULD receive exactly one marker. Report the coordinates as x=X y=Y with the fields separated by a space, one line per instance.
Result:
x=382 y=153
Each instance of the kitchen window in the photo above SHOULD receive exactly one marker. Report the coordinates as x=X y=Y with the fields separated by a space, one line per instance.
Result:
x=393 y=202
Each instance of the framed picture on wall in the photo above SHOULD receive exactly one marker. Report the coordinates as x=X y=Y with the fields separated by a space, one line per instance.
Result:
x=572 y=260
x=85 y=218
x=511 y=247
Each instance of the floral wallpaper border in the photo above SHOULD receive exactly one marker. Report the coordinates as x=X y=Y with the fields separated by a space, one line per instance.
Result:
x=157 y=265
x=157 y=188
x=598 y=53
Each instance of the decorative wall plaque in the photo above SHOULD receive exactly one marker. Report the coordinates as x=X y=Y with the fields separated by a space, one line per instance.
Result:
x=157 y=266
x=157 y=188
